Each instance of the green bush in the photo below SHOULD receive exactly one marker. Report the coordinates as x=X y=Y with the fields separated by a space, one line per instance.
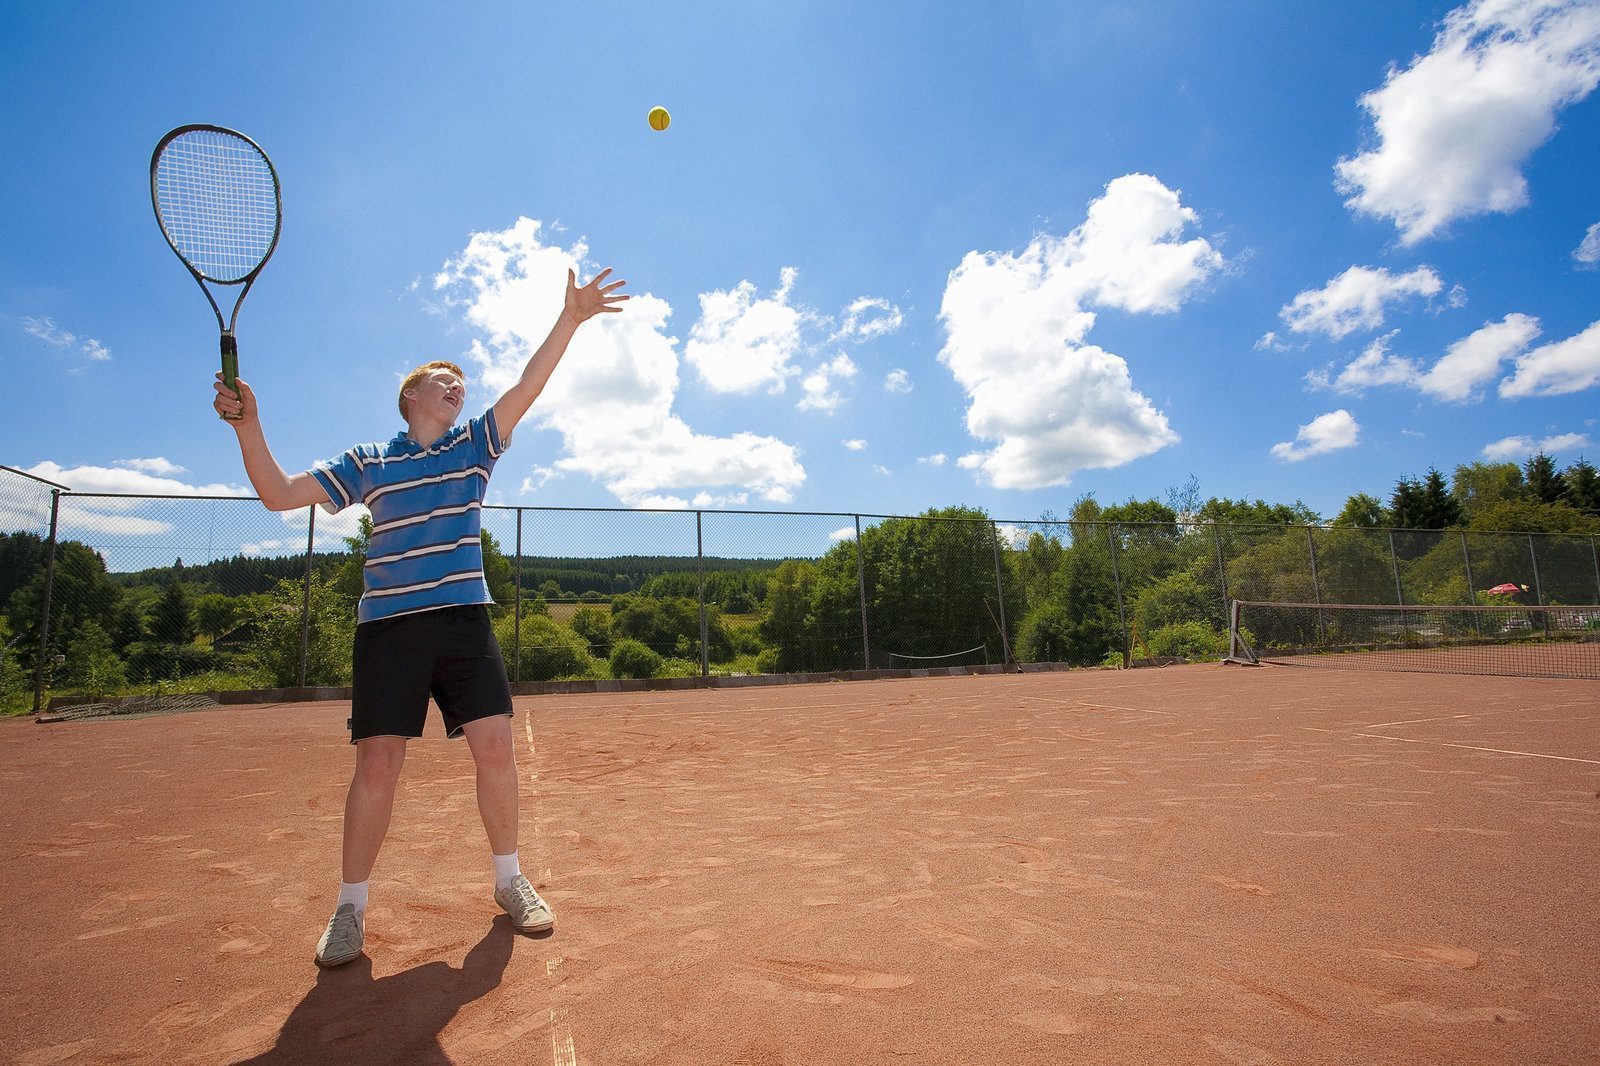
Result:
x=629 y=658
x=1187 y=640
x=548 y=650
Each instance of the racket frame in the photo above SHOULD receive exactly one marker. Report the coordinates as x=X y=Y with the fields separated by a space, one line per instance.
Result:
x=228 y=343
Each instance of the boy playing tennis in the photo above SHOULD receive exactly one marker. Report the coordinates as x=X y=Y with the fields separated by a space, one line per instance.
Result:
x=423 y=624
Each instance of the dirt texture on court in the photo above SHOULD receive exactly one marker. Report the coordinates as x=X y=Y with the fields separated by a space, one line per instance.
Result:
x=1195 y=864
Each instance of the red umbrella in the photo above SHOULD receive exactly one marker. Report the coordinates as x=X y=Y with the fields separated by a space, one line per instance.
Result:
x=1506 y=588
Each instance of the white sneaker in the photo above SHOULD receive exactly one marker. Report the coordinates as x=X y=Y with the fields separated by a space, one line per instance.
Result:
x=529 y=913
x=343 y=938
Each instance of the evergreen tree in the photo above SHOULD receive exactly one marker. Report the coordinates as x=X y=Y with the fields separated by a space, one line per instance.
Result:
x=1406 y=507
x=1440 y=510
x=1543 y=482
x=172 y=622
x=1580 y=487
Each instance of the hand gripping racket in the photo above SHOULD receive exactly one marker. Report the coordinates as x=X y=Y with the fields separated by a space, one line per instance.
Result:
x=216 y=197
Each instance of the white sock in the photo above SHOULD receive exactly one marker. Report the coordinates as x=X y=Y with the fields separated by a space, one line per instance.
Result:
x=506 y=869
x=356 y=894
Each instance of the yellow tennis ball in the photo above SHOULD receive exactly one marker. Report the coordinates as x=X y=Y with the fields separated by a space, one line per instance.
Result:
x=659 y=119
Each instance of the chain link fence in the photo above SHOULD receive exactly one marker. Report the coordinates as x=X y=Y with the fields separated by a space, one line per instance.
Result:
x=114 y=595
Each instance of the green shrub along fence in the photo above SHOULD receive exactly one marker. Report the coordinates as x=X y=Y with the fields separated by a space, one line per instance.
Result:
x=104 y=595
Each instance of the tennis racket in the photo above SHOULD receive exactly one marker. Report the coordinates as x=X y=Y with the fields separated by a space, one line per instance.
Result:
x=216 y=197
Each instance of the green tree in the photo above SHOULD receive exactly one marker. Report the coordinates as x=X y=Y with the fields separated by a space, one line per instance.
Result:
x=214 y=614
x=92 y=664
x=1544 y=484
x=171 y=622
x=1580 y=487
x=1363 y=512
x=1478 y=485
x=497 y=570
x=331 y=634
x=593 y=624
x=82 y=592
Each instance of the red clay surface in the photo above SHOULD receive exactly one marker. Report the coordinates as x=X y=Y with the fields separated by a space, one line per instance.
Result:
x=1196 y=864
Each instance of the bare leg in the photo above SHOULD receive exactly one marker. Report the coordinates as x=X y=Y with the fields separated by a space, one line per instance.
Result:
x=494 y=753
x=371 y=801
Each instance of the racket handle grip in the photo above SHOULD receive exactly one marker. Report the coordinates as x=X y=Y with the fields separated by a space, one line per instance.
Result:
x=230 y=367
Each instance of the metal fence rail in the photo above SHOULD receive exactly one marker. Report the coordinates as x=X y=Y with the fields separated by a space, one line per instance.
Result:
x=106 y=594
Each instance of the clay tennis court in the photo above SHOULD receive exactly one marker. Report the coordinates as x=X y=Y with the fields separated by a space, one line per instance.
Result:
x=1197 y=864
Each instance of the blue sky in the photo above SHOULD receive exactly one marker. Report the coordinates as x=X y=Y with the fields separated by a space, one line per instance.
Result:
x=888 y=256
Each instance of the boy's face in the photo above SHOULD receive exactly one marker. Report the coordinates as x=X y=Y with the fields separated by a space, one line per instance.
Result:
x=437 y=396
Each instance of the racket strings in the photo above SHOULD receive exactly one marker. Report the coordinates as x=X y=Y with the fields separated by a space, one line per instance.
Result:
x=217 y=200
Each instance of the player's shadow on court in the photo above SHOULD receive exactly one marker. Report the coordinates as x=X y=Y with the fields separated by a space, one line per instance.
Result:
x=349 y=1017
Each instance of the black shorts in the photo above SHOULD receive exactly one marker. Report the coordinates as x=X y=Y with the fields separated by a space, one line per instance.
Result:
x=448 y=653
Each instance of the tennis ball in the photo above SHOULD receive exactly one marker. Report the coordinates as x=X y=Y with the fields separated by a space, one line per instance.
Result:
x=659 y=119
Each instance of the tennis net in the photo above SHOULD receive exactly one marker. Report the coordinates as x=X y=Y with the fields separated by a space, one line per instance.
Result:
x=1501 y=640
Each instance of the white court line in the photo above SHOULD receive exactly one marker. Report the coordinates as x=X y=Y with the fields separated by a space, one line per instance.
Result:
x=1415 y=721
x=1448 y=744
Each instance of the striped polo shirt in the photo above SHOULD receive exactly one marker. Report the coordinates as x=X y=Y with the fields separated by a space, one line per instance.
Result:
x=425 y=504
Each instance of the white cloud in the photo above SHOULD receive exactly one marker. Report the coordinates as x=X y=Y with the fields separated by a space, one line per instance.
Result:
x=868 y=317
x=1354 y=300
x=611 y=398
x=878 y=468
x=1456 y=126
x=1016 y=324
x=538 y=479
x=157 y=466
x=1270 y=342
x=1458 y=375
x=897 y=381
x=818 y=386
x=1374 y=366
x=855 y=444
x=743 y=342
x=1521 y=447
x=1587 y=253
x=47 y=330
x=1476 y=358
x=936 y=459
x=843 y=533
x=1556 y=369
x=1325 y=433
x=111 y=514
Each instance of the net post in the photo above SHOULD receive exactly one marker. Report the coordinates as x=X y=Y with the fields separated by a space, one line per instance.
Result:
x=1000 y=594
x=1239 y=651
x=700 y=570
x=44 y=605
x=861 y=590
x=1316 y=585
x=305 y=600
x=1394 y=564
x=1594 y=554
x=516 y=613
x=1122 y=614
x=1533 y=557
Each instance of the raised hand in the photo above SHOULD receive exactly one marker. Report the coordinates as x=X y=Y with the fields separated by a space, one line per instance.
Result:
x=592 y=299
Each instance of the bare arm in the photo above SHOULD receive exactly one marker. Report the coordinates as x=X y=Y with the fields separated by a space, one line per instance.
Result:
x=581 y=305
x=278 y=491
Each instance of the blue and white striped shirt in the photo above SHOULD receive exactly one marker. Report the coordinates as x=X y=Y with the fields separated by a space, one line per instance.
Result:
x=425 y=504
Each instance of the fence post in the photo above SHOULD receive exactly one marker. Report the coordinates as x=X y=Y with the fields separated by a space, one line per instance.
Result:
x=1394 y=564
x=1000 y=594
x=305 y=600
x=1122 y=614
x=861 y=590
x=700 y=568
x=1466 y=558
x=1538 y=593
x=1222 y=569
x=1316 y=584
x=516 y=614
x=44 y=606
